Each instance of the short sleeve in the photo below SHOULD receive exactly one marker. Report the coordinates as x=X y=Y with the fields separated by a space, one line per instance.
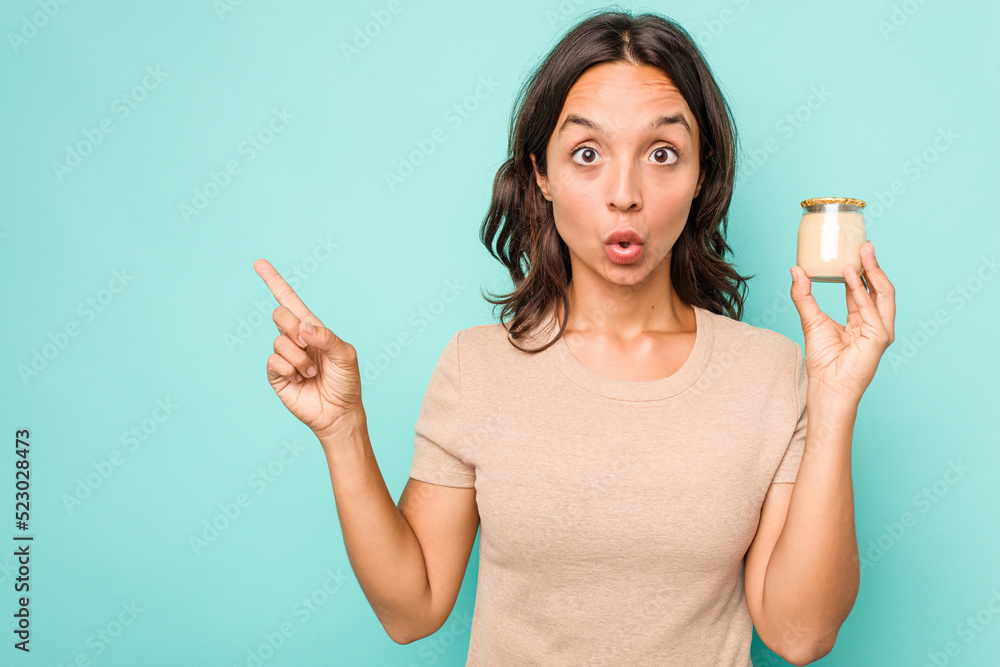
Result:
x=788 y=469
x=438 y=455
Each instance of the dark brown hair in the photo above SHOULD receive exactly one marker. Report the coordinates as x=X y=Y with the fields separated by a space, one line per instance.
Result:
x=519 y=229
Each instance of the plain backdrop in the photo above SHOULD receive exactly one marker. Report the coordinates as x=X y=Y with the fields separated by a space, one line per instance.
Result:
x=151 y=152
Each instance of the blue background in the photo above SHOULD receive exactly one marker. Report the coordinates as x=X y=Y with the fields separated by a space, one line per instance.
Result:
x=187 y=322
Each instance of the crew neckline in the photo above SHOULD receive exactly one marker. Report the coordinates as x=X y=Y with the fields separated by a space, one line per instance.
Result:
x=640 y=390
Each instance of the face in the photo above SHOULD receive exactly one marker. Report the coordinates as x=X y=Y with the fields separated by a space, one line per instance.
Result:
x=612 y=166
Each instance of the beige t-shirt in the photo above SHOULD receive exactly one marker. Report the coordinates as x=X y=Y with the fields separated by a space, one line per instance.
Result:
x=614 y=515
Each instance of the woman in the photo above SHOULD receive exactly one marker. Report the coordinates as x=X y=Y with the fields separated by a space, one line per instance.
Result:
x=638 y=457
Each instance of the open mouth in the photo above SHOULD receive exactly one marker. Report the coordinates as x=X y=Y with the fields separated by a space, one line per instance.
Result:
x=624 y=252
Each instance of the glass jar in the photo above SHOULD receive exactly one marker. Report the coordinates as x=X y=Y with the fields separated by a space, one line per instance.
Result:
x=831 y=233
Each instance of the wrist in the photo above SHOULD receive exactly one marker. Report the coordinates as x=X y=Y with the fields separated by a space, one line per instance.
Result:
x=830 y=401
x=348 y=428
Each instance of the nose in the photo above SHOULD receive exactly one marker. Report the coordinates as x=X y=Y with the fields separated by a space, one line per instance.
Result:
x=624 y=186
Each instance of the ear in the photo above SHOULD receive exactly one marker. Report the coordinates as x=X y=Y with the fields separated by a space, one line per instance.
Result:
x=701 y=179
x=543 y=182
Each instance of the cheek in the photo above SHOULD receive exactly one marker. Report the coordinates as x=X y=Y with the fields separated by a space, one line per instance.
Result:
x=675 y=193
x=564 y=184
x=572 y=198
x=574 y=218
x=670 y=198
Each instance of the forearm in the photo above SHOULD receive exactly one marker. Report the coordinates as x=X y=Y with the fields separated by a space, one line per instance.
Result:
x=381 y=546
x=813 y=575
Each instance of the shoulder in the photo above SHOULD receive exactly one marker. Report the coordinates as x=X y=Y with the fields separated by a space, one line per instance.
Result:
x=745 y=339
x=485 y=347
x=489 y=355
x=768 y=362
x=476 y=339
x=494 y=339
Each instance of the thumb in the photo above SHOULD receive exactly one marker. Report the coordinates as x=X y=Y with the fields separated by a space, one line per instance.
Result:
x=325 y=341
x=802 y=297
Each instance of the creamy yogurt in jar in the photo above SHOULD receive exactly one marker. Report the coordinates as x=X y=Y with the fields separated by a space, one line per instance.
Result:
x=831 y=233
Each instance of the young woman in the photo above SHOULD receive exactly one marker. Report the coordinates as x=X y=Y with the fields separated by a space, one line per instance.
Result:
x=652 y=476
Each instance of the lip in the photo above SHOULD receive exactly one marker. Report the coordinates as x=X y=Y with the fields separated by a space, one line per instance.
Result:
x=620 y=255
x=620 y=235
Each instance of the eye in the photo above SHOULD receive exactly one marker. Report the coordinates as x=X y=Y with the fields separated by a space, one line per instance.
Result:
x=583 y=150
x=666 y=150
x=661 y=153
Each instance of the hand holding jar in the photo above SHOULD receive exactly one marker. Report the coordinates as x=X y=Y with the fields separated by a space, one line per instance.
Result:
x=841 y=359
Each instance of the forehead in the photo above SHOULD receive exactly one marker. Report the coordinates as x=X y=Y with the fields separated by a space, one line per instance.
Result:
x=621 y=95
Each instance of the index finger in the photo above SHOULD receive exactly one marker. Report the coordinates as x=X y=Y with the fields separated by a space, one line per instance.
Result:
x=880 y=287
x=283 y=292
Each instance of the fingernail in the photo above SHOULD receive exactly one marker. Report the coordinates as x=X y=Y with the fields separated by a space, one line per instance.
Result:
x=311 y=371
x=308 y=327
x=302 y=342
x=794 y=277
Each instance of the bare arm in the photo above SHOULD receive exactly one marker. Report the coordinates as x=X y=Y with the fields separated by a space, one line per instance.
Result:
x=410 y=560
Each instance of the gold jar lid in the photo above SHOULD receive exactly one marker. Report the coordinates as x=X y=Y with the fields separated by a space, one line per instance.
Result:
x=834 y=200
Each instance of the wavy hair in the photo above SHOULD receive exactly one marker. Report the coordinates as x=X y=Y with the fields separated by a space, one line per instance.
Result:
x=519 y=229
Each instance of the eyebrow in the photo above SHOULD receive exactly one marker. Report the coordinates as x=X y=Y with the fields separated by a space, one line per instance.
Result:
x=676 y=119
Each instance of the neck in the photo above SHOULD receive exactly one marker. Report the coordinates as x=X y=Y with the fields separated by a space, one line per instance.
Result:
x=626 y=311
